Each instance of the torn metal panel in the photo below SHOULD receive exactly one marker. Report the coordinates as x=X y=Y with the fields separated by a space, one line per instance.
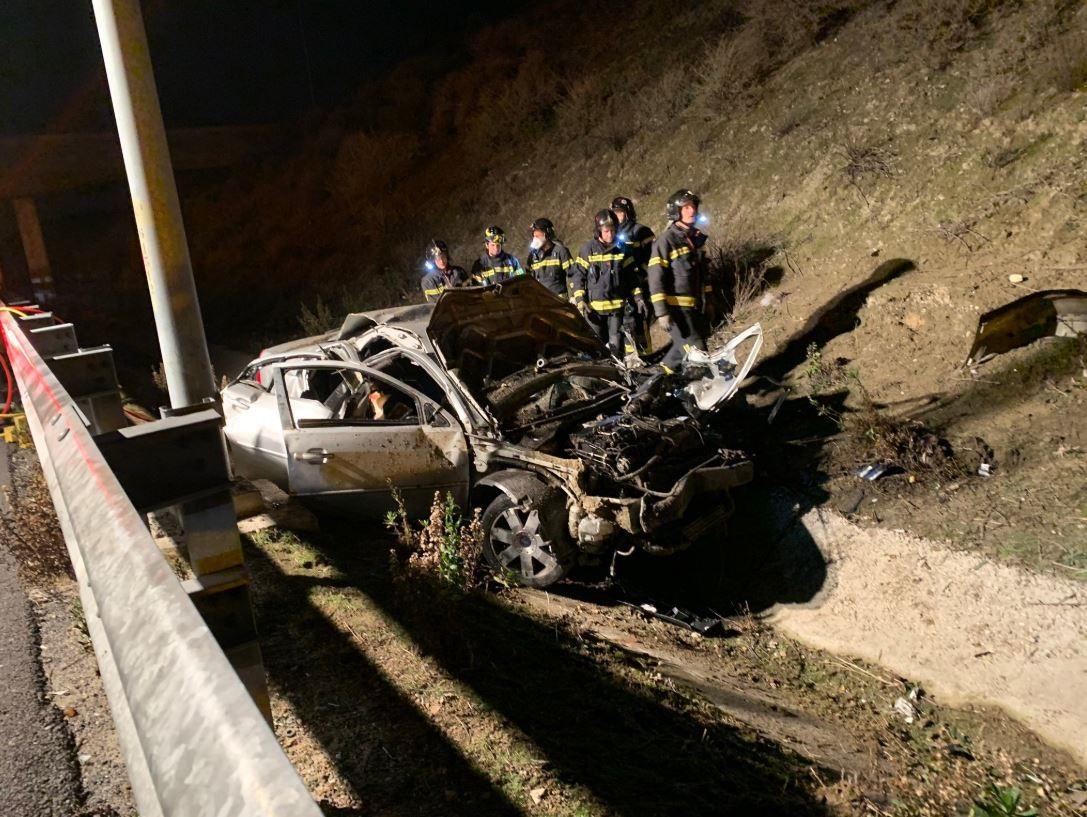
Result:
x=1051 y=313
x=726 y=373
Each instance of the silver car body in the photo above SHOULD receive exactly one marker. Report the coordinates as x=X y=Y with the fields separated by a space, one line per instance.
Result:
x=433 y=357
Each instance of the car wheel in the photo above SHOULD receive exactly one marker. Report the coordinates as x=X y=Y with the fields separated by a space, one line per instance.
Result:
x=528 y=544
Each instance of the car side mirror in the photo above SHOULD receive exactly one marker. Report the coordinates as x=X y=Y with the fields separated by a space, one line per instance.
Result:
x=432 y=416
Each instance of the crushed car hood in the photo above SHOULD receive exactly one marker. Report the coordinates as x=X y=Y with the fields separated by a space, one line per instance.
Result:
x=485 y=333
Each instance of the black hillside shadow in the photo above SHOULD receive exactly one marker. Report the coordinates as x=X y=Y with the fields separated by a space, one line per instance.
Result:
x=633 y=750
x=836 y=317
x=366 y=725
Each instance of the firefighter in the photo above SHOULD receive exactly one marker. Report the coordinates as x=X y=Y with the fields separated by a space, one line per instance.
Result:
x=495 y=265
x=441 y=274
x=549 y=261
x=639 y=239
x=604 y=280
x=677 y=279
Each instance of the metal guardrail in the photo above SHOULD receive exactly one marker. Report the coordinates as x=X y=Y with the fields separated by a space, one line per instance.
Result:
x=194 y=741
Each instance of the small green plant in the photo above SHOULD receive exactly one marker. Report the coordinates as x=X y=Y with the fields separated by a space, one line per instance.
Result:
x=823 y=376
x=999 y=801
x=444 y=545
x=79 y=622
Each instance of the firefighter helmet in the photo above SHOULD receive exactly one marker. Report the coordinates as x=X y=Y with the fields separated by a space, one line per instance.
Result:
x=545 y=226
x=677 y=200
x=605 y=218
x=494 y=235
x=435 y=248
x=626 y=206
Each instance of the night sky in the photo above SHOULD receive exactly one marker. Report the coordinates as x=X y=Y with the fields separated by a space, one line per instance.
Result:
x=217 y=61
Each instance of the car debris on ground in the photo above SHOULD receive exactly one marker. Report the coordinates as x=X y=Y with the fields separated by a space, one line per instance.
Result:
x=1060 y=313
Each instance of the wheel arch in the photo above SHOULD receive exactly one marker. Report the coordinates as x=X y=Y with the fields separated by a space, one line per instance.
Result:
x=515 y=483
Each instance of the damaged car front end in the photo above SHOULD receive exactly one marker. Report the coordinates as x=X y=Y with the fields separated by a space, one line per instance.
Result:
x=637 y=454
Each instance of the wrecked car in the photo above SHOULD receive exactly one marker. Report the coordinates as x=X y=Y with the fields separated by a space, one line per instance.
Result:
x=504 y=397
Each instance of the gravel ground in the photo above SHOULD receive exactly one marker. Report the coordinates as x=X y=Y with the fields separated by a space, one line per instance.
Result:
x=39 y=775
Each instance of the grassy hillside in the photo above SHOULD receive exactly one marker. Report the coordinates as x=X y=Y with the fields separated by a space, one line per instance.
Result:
x=834 y=136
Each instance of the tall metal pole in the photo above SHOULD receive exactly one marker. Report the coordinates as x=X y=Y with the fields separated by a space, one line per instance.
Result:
x=154 y=201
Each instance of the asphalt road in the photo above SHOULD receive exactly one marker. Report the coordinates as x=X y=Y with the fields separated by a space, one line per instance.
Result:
x=39 y=774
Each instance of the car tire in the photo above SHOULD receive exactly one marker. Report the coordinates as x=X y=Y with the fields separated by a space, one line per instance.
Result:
x=526 y=542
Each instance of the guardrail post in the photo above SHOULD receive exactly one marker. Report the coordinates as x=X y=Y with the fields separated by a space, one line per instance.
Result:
x=180 y=463
x=88 y=375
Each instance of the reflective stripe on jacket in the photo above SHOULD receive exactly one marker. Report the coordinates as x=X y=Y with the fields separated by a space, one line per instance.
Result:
x=437 y=281
x=677 y=269
x=604 y=276
x=552 y=268
x=502 y=267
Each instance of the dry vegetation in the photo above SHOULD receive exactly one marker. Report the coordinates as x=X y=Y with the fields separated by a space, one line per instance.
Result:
x=510 y=129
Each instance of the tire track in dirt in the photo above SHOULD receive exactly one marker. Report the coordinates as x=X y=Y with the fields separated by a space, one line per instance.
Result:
x=970 y=630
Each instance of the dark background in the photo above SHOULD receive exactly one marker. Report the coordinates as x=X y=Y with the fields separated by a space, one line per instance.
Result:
x=218 y=61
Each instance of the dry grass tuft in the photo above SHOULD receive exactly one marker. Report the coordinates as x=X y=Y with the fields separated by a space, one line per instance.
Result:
x=444 y=549
x=865 y=163
x=942 y=28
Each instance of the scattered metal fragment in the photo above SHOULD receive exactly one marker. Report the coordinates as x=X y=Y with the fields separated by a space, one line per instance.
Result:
x=876 y=470
x=1060 y=313
x=905 y=709
x=777 y=406
x=703 y=625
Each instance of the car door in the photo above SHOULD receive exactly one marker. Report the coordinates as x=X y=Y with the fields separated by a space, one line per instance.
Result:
x=353 y=462
x=252 y=426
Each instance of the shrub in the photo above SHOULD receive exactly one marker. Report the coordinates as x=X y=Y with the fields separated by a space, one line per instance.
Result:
x=444 y=547
x=370 y=163
x=865 y=163
x=1065 y=60
x=871 y=434
x=944 y=27
x=318 y=320
x=740 y=270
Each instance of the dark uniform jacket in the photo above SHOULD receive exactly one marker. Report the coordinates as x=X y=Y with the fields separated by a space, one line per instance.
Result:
x=677 y=269
x=604 y=275
x=502 y=267
x=552 y=268
x=437 y=281
x=639 y=239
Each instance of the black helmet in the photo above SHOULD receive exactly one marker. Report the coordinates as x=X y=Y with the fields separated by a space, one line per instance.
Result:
x=435 y=248
x=545 y=226
x=605 y=218
x=677 y=200
x=622 y=203
x=495 y=235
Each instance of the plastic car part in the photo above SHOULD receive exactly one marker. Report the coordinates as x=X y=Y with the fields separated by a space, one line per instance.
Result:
x=1050 y=313
x=726 y=373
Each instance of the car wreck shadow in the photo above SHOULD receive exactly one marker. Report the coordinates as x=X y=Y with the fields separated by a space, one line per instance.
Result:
x=365 y=724
x=836 y=317
x=636 y=753
x=765 y=555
